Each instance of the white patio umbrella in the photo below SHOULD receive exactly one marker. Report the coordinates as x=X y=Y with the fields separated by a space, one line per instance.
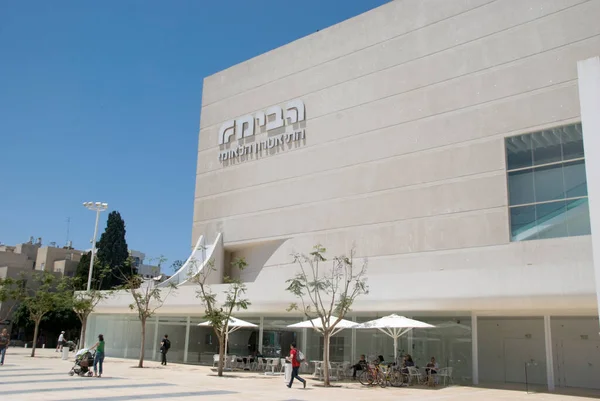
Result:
x=317 y=324
x=233 y=325
x=394 y=326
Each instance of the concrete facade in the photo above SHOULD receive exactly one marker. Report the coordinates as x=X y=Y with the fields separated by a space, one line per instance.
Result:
x=64 y=260
x=407 y=108
x=402 y=153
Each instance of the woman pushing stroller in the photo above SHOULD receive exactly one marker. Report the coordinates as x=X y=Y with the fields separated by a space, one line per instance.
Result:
x=99 y=357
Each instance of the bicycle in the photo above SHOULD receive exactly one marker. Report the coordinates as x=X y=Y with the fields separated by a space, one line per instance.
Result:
x=375 y=374
x=392 y=377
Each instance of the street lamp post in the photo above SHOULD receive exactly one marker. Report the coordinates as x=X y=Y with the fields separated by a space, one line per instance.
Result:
x=97 y=207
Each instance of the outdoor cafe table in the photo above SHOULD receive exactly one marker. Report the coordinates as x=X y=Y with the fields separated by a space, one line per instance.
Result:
x=319 y=368
x=274 y=364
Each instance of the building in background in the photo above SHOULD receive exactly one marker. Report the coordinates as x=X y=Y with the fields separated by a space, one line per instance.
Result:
x=146 y=271
x=35 y=256
x=27 y=258
x=444 y=139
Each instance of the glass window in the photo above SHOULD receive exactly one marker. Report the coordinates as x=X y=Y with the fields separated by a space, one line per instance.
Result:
x=546 y=146
x=547 y=185
x=520 y=187
x=551 y=219
x=575 y=179
x=578 y=217
x=519 y=152
x=572 y=142
x=522 y=223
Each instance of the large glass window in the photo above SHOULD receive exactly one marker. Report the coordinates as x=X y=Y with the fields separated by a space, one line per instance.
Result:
x=547 y=187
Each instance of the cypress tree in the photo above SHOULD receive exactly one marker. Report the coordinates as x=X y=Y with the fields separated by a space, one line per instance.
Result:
x=113 y=252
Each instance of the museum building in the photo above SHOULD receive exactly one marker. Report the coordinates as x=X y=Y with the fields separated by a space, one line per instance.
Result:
x=447 y=142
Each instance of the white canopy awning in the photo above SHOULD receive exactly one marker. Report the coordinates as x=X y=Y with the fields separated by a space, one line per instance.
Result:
x=394 y=326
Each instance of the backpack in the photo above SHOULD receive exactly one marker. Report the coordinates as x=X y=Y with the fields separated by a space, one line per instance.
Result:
x=167 y=344
x=300 y=356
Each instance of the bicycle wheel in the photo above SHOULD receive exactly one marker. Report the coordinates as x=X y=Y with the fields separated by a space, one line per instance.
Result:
x=395 y=378
x=366 y=378
x=381 y=379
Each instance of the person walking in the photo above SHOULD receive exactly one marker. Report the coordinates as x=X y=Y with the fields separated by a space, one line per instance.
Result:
x=165 y=344
x=61 y=341
x=293 y=358
x=99 y=357
x=4 y=340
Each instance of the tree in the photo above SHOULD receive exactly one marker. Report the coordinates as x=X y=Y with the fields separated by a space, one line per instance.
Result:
x=147 y=299
x=176 y=265
x=51 y=324
x=83 y=305
x=113 y=252
x=12 y=291
x=326 y=294
x=46 y=293
x=100 y=275
x=219 y=314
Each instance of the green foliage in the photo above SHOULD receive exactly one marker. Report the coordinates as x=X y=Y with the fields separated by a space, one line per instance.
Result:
x=100 y=275
x=84 y=302
x=47 y=293
x=219 y=314
x=20 y=318
x=113 y=253
x=176 y=265
x=327 y=294
x=44 y=293
x=53 y=321
x=12 y=291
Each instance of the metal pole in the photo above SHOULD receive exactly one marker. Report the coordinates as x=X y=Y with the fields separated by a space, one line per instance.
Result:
x=526 y=381
x=89 y=283
x=549 y=353
x=187 y=340
x=261 y=334
x=474 y=349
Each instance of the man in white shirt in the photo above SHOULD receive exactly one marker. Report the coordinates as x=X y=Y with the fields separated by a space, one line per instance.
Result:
x=61 y=341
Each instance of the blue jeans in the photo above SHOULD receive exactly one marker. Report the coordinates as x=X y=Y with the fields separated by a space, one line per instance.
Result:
x=98 y=361
x=295 y=375
x=2 y=353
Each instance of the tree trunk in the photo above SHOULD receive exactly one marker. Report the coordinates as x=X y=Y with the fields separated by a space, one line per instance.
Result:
x=221 y=355
x=141 y=363
x=35 y=336
x=326 y=359
x=82 y=337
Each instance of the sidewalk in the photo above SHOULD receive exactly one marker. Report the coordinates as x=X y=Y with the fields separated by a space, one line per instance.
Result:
x=45 y=378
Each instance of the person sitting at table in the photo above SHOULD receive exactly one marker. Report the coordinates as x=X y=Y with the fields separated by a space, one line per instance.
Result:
x=432 y=367
x=361 y=365
x=408 y=362
x=431 y=370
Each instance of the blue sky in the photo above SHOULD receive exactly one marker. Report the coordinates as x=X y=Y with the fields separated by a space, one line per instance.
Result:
x=100 y=101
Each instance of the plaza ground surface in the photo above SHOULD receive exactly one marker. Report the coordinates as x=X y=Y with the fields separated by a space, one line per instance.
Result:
x=45 y=378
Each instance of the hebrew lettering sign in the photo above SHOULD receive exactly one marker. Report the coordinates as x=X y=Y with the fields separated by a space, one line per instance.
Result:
x=269 y=120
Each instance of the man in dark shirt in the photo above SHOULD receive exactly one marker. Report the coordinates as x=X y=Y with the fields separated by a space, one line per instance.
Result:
x=4 y=340
x=165 y=344
x=361 y=365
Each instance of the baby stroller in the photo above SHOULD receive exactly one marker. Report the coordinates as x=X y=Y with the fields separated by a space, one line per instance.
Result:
x=84 y=360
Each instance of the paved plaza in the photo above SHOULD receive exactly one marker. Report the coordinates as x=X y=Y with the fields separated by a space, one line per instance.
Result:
x=46 y=378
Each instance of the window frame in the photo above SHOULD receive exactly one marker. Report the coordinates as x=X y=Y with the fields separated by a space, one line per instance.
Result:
x=566 y=199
